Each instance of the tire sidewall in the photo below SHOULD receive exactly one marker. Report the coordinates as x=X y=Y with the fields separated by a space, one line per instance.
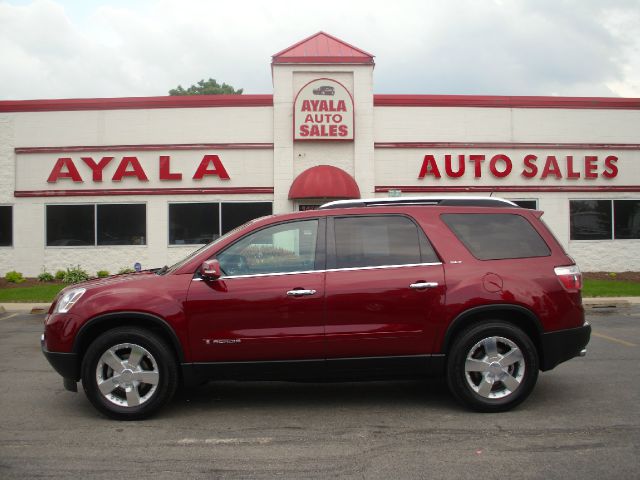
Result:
x=456 y=377
x=167 y=372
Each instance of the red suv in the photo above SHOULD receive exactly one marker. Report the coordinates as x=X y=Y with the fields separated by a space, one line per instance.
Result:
x=476 y=289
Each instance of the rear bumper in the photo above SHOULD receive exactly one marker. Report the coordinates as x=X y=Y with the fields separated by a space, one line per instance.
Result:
x=66 y=364
x=563 y=345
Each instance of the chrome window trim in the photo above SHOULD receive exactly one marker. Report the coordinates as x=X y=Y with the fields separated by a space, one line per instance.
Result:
x=350 y=269
x=375 y=267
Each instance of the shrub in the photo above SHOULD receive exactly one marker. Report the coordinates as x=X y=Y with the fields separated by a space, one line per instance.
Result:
x=125 y=270
x=75 y=275
x=14 y=277
x=59 y=274
x=102 y=273
x=45 y=277
x=613 y=275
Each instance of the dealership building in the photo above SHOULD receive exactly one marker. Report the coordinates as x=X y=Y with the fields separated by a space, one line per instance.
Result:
x=105 y=183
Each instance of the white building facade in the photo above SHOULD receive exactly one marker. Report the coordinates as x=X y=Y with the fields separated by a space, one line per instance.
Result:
x=107 y=183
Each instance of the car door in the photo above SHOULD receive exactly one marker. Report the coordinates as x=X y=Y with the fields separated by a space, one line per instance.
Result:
x=384 y=287
x=268 y=305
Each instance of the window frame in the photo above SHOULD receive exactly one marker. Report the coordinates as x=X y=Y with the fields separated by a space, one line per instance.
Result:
x=470 y=251
x=95 y=224
x=219 y=202
x=331 y=243
x=320 y=253
x=537 y=200
x=613 y=219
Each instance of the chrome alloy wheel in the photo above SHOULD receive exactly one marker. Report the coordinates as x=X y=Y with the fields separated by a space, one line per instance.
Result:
x=494 y=367
x=127 y=375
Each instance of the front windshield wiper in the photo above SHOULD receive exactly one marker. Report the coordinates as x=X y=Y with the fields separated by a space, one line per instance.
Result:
x=162 y=271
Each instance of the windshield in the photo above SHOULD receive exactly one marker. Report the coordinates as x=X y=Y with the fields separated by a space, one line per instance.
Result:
x=189 y=257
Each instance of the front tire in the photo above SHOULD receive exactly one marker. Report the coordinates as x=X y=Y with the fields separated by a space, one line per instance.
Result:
x=129 y=373
x=492 y=367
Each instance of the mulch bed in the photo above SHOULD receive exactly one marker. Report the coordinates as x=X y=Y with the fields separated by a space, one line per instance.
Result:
x=626 y=276
x=28 y=282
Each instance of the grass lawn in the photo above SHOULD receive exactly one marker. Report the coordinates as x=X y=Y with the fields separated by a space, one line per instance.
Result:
x=35 y=293
x=610 y=288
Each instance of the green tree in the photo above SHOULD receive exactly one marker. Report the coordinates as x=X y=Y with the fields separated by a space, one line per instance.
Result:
x=206 y=87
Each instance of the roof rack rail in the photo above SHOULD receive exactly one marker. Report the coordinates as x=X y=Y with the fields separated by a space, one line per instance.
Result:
x=460 y=201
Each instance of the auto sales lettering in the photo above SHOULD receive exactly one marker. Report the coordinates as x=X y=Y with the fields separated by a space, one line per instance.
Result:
x=529 y=166
x=323 y=110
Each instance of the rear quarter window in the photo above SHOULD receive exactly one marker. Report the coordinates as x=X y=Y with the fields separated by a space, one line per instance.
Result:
x=496 y=236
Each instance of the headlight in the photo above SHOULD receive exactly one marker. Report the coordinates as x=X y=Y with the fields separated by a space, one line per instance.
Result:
x=69 y=299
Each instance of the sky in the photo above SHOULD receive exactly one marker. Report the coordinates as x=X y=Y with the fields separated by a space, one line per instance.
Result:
x=129 y=48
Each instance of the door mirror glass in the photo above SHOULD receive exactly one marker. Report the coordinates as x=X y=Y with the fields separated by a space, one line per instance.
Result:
x=211 y=269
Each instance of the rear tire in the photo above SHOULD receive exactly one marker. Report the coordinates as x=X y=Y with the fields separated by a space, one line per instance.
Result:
x=129 y=373
x=492 y=366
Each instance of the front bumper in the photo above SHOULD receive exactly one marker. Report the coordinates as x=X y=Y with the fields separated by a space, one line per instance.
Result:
x=66 y=364
x=563 y=345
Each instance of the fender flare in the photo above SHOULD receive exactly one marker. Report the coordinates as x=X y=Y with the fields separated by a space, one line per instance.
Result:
x=460 y=319
x=156 y=321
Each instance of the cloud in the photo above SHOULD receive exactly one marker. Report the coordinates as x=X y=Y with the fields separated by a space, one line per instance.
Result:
x=54 y=49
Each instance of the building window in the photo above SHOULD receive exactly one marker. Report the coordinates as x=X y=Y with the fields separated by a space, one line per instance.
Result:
x=191 y=223
x=89 y=225
x=530 y=204
x=236 y=214
x=6 y=226
x=626 y=214
x=70 y=225
x=604 y=219
x=196 y=223
x=112 y=230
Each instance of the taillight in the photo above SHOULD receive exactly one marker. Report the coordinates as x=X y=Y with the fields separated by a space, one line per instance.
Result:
x=570 y=277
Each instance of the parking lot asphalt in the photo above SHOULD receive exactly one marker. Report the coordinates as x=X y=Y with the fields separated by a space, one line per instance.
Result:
x=582 y=421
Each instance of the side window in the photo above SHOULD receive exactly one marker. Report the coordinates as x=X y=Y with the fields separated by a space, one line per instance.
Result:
x=288 y=247
x=496 y=236
x=376 y=240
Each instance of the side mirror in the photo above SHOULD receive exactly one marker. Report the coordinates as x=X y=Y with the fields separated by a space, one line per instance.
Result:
x=210 y=269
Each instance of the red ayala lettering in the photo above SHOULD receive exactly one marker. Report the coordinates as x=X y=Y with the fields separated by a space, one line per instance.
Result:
x=96 y=168
x=131 y=167
x=218 y=169
x=136 y=170
x=324 y=106
x=71 y=171
x=165 y=169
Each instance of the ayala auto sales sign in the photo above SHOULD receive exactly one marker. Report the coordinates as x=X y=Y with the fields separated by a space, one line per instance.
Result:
x=323 y=110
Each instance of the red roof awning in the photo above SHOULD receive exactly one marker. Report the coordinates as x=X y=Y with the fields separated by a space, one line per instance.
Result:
x=323 y=48
x=324 y=181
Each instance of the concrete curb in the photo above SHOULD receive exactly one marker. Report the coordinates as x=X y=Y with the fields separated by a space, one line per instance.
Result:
x=604 y=302
x=24 y=307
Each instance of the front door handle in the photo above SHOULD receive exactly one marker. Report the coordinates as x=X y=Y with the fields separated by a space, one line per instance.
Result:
x=300 y=292
x=423 y=285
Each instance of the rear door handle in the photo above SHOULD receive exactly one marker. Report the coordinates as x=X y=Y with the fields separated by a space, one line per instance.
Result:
x=300 y=292
x=423 y=285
